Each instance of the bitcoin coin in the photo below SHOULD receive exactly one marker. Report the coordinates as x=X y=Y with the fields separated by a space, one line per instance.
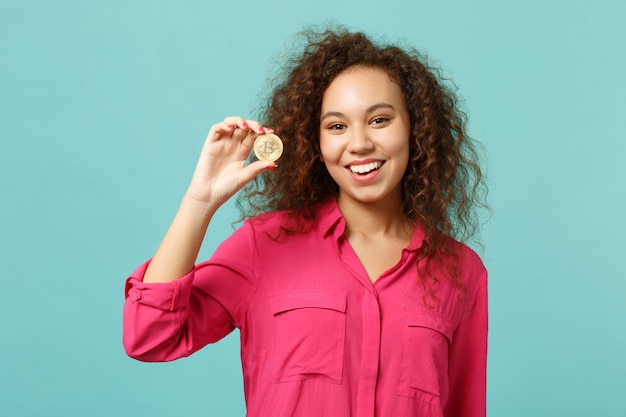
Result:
x=268 y=147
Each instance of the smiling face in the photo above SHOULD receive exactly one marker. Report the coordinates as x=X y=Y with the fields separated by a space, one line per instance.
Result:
x=364 y=136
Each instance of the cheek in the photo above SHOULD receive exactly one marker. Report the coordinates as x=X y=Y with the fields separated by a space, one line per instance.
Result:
x=328 y=150
x=403 y=147
x=402 y=152
x=322 y=154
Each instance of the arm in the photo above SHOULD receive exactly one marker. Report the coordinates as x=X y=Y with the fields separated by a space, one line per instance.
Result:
x=168 y=313
x=468 y=359
x=167 y=321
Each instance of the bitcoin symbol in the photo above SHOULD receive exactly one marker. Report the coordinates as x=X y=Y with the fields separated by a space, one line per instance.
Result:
x=268 y=147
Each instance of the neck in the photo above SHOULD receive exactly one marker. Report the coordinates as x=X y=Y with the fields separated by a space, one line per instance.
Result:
x=383 y=218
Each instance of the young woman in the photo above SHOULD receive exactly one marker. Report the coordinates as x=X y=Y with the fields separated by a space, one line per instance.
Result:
x=347 y=280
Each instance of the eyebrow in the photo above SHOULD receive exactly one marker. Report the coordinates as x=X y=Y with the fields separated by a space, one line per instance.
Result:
x=370 y=109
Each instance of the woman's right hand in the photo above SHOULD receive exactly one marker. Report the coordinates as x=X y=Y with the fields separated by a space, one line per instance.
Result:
x=221 y=170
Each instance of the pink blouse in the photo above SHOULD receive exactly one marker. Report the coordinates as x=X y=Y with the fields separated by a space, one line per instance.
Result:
x=317 y=337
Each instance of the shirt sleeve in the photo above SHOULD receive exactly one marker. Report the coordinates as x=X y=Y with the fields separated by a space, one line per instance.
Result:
x=167 y=321
x=468 y=355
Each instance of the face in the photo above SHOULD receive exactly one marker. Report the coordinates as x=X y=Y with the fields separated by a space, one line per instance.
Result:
x=364 y=136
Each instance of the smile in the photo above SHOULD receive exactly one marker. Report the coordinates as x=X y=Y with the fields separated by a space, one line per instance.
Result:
x=363 y=169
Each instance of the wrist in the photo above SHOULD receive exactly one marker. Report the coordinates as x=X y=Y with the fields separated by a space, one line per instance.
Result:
x=198 y=208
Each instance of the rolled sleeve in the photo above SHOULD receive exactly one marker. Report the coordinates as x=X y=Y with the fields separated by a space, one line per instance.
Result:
x=167 y=321
x=168 y=296
x=154 y=317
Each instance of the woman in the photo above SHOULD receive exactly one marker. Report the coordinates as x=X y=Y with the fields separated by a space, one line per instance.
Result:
x=352 y=296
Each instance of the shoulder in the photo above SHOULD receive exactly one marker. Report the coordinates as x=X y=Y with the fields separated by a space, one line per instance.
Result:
x=468 y=257
x=269 y=223
x=320 y=217
x=470 y=267
x=271 y=219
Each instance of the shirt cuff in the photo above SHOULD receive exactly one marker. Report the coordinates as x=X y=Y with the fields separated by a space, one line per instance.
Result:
x=168 y=296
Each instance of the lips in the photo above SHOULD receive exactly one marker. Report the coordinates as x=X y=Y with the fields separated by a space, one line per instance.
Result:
x=365 y=168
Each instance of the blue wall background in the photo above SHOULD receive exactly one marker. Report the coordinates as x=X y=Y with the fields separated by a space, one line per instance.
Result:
x=103 y=110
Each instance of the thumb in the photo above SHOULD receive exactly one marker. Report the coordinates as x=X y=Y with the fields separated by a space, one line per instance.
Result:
x=253 y=170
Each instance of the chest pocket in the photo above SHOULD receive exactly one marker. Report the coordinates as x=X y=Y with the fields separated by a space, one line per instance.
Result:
x=424 y=365
x=310 y=330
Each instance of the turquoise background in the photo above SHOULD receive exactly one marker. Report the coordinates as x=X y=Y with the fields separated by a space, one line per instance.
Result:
x=104 y=106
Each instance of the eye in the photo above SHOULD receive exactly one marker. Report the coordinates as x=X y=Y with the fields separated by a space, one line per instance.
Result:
x=336 y=126
x=378 y=120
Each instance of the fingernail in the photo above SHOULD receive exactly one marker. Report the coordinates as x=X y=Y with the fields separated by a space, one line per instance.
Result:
x=231 y=126
x=245 y=125
x=272 y=166
x=261 y=130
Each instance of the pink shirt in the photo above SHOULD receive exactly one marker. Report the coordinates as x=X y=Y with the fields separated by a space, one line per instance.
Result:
x=317 y=337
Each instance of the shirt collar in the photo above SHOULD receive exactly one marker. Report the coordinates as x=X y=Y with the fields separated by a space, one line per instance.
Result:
x=331 y=222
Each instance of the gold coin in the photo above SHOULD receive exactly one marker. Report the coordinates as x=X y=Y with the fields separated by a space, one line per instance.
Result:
x=268 y=147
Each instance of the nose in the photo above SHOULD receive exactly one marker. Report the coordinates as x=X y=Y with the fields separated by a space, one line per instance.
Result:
x=360 y=142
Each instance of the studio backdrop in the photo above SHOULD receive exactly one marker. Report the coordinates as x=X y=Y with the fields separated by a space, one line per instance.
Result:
x=104 y=107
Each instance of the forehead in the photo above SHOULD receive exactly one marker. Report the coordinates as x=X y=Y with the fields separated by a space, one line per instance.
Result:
x=362 y=85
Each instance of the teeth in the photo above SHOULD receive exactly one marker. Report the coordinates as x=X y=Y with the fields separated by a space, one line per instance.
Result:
x=365 y=168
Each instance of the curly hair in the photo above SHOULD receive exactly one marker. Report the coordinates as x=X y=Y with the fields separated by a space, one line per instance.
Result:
x=443 y=185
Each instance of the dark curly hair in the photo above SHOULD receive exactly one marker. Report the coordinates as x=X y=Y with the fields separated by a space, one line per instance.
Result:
x=443 y=184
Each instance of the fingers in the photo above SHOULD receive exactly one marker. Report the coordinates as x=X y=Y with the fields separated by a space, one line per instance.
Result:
x=245 y=124
x=237 y=128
